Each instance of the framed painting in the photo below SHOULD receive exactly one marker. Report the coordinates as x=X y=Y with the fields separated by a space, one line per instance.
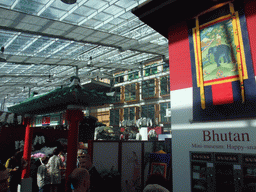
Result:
x=131 y=166
x=158 y=168
x=218 y=51
x=222 y=70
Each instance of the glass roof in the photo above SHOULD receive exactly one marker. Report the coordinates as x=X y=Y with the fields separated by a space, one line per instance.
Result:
x=47 y=41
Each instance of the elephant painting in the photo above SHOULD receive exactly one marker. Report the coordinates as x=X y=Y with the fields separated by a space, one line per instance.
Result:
x=220 y=51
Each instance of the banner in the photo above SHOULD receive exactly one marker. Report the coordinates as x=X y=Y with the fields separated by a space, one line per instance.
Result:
x=223 y=77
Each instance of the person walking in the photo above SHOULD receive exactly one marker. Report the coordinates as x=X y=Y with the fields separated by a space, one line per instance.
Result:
x=43 y=177
x=54 y=166
x=15 y=165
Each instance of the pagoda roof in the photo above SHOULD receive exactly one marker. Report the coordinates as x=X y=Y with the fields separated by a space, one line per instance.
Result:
x=59 y=100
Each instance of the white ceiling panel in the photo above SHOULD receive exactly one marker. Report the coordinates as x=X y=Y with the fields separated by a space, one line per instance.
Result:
x=17 y=58
x=96 y=4
x=75 y=36
x=116 y=21
x=80 y=38
x=107 y=41
x=92 y=39
x=52 y=61
x=102 y=16
x=84 y=11
x=83 y=30
x=81 y=64
x=92 y=23
x=28 y=27
x=66 y=62
x=34 y=20
x=51 y=31
x=100 y=34
x=7 y=14
x=30 y=7
x=53 y=13
x=7 y=4
x=35 y=60
x=116 y=38
x=107 y=27
x=60 y=37
x=5 y=22
x=113 y=10
x=60 y=26
x=150 y=46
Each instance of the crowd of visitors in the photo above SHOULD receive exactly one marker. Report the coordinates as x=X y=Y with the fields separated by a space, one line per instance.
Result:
x=85 y=178
x=48 y=172
x=15 y=165
x=4 y=175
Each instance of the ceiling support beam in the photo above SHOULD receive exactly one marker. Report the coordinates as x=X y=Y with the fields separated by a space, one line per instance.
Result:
x=50 y=64
x=64 y=38
x=16 y=84
x=28 y=76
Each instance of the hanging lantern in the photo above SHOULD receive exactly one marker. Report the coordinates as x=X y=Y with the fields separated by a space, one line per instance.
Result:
x=69 y=1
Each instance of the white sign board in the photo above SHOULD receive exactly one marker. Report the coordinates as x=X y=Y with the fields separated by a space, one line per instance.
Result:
x=227 y=144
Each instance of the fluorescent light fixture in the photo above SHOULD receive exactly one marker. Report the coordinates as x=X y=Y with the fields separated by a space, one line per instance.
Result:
x=10 y=42
x=61 y=47
x=46 y=45
x=30 y=43
x=14 y=4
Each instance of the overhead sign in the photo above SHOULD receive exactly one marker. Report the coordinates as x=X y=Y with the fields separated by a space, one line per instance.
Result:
x=47 y=120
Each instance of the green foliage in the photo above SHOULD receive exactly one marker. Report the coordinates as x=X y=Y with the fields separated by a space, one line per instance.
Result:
x=226 y=70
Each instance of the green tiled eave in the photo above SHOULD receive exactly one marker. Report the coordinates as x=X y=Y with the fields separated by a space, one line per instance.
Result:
x=59 y=99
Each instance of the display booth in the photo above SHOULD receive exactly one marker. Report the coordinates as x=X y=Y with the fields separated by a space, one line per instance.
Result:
x=12 y=139
x=72 y=100
x=212 y=61
x=126 y=165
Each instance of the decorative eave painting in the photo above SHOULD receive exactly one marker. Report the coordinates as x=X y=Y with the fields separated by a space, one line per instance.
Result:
x=223 y=76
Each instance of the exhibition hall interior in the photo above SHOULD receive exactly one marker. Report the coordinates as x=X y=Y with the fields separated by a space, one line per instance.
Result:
x=139 y=94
